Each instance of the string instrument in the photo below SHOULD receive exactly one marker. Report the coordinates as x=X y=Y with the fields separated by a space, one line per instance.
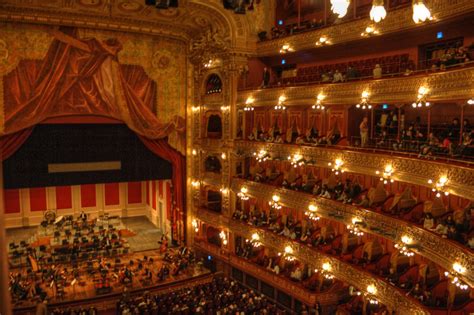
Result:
x=33 y=263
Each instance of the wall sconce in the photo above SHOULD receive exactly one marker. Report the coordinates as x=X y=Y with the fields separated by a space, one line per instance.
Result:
x=340 y=7
x=209 y=63
x=364 y=101
x=288 y=253
x=440 y=186
x=255 y=240
x=354 y=228
x=195 y=225
x=420 y=12
x=223 y=237
x=286 y=48
x=454 y=275
x=323 y=40
x=386 y=174
x=243 y=193
x=195 y=183
x=195 y=108
x=223 y=156
x=281 y=101
x=405 y=246
x=378 y=12
x=319 y=100
x=275 y=202
x=369 y=31
x=248 y=104
x=421 y=98
x=311 y=213
x=194 y=152
x=225 y=108
x=224 y=190
x=470 y=101
x=261 y=156
x=296 y=160
x=337 y=168
x=325 y=270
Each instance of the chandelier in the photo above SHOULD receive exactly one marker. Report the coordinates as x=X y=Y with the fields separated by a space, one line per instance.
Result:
x=370 y=294
x=440 y=186
x=255 y=240
x=455 y=276
x=420 y=12
x=248 y=104
x=354 y=228
x=378 y=12
x=288 y=253
x=195 y=225
x=261 y=156
x=223 y=237
x=323 y=40
x=243 y=193
x=319 y=100
x=470 y=101
x=311 y=213
x=325 y=271
x=296 y=160
x=281 y=101
x=421 y=98
x=387 y=173
x=286 y=49
x=364 y=101
x=405 y=246
x=337 y=167
x=340 y=7
x=274 y=204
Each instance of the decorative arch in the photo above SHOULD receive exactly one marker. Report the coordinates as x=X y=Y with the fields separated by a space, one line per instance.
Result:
x=212 y=164
x=213 y=124
x=213 y=84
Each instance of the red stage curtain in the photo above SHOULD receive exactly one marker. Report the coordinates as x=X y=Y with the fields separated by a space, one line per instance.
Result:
x=164 y=150
x=9 y=144
x=82 y=77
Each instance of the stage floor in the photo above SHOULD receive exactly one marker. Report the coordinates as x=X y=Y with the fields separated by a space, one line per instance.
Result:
x=146 y=234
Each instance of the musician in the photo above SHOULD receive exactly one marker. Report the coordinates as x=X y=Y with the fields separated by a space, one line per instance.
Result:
x=183 y=251
x=83 y=216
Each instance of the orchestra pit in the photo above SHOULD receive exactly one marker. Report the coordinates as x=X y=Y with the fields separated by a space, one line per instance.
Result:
x=237 y=157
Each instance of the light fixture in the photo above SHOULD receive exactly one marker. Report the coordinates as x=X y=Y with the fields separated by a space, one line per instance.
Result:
x=261 y=156
x=225 y=108
x=340 y=7
x=195 y=183
x=319 y=99
x=364 y=101
x=387 y=173
x=274 y=204
x=421 y=98
x=248 y=104
x=470 y=101
x=337 y=167
x=296 y=160
x=369 y=31
x=255 y=240
x=325 y=270
x=209 y=63
x=224 y=190
x=288 y=253
x=223 y=156
x=281 y=103
x=405 y=246
x=195 y=108
x=420 y=12
x=378 y=12
x=370 y=294
x=194 y=152
x=323 y=40
x=223 y=237
x=371 y=289
x=311 y=213
x=354 y=228
x=243 y=193
x=195 y=225
x=440 y=186
x=286 y=48
x=455 y=275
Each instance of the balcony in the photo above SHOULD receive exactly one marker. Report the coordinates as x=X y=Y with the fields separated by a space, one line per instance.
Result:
x=387 y=294
x=396 y=21
x=431 y=245
x=408 y=169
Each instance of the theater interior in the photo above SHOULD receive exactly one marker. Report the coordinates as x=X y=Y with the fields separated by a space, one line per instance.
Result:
x=237 y=157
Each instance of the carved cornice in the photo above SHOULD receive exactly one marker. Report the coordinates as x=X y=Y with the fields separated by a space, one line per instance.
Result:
x=387 y=294
x=441 y=251
x=444 y=86
x=409 y=170
x=396 y=21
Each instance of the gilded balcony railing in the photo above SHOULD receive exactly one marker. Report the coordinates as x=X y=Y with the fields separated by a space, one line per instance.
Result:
x=409 y=170
x=397 y=20
x=432 y=246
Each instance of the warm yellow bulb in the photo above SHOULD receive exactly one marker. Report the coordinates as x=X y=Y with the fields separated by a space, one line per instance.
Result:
x=371 y=289
x=326 y=266
x=288 y=249
x=406 y=239
x=275 y=198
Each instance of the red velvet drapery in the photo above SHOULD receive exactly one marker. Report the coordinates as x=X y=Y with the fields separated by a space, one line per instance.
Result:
x=82 y=77
x=9 y=144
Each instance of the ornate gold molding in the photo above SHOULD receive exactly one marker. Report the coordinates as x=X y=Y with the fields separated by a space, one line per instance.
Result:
x=396 y=20
x=409 y=170
x=441 y=251
x=444 y=86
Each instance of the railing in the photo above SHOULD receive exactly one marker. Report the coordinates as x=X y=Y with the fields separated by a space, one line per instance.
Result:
x=432 y=246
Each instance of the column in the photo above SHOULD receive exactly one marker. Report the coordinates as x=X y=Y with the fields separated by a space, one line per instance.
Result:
x=5 y=304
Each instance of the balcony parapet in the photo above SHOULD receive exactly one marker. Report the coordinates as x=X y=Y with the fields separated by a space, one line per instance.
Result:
x=387 y=294
x=444 y=86
x=397 y=20
x=212 y=218
x=409 y=170
x=431 y=245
